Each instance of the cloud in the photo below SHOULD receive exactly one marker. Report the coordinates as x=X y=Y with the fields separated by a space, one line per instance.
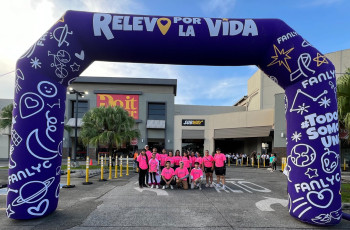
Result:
x=219 y=8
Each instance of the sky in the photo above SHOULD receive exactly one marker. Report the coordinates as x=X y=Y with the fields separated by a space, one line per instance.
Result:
x=324 y=23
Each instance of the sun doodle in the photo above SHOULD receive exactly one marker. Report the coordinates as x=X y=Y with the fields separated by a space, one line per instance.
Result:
x=281 y=57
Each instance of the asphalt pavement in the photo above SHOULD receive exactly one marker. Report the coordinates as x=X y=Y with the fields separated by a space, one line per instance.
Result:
x=255 y=199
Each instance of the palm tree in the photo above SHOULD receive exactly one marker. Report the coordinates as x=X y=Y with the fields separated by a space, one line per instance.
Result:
x=111 y=126
x=343 y=93
x=6 y=117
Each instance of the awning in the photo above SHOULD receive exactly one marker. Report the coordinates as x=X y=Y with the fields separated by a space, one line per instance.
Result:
x=257 y=131
x=71 y=122
x=192 y=134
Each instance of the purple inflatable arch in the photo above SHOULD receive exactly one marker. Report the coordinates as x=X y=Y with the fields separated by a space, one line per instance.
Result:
x=79 y=38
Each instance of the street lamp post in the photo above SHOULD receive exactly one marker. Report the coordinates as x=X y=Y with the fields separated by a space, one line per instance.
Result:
x=77 y=94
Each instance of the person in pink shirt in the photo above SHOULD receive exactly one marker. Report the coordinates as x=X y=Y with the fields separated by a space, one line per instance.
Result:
x=186 y=160
x=220 y=169
x=171 y=159
x=181 y=175
x=149 y=155
x=143 y=165
x=168 y=176
x=153 y=169
x=199 y=159
x=196 y=176
x=177 y=159
x=208 y=168
x=193 y=159
x=161 y=158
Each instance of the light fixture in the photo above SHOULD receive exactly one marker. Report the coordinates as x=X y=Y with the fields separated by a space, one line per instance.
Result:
x=282 y=134
x=70 y=88
x=86 y=92
x=141 y=140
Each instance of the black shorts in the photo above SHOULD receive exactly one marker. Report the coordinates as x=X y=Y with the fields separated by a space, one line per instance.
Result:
x=220 y=171
x=208 y=170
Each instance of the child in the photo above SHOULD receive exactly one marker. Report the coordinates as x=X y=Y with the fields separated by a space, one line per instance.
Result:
x=153 y=169
x=161 y=158
x=181 y=175
x=177 y=159
x=273 y=162
x=192 y=159
x=199 y=159
x=196 y=176
x=168 y=175
x=143 y=165
x=208 y=168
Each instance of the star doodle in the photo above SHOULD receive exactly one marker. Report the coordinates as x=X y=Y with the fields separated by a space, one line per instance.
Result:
x=320 y=59
x=302 y=108
x=325 y=102
x=311 y=173
x=9 y=211
x=281 y=57
x=305 y=124
x=35 y=63
x=75 y=67
x=296 y=136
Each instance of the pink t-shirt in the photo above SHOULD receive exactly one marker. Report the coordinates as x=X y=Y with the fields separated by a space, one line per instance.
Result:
x=161 y=158
x=181 y=172
x=171 y=159
x=199 y=160
x=177 y=160
x=149 y=154
x=142 y=162
x=219 y=160
x=186 y=162
x=196 y=173
x=208 y=161
x=168 y=173
x=153 y=165
x=193 y=160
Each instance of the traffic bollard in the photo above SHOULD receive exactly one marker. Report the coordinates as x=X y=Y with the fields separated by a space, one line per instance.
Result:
x=68 y=185
x=242 y=162
x=102 y=169
x=236 y=161
x=258 y=163
x=229 y=163
x=116 y=168
x=252 y=160
x=98 y=158
x=105 y=163
x=87 y=173
x=247 y=161
x=264 y=163
x=127 y=165
x=110 y=168
x=121 y=166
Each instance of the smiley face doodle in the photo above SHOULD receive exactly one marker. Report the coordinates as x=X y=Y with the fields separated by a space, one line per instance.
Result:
x=47 y=89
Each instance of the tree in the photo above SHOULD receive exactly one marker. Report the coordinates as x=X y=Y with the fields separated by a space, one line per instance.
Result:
x=111 y=126
x=343 y=93
x=6 y=117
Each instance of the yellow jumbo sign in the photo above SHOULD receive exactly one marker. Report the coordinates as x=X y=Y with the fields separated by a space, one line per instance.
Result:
x=129 y=102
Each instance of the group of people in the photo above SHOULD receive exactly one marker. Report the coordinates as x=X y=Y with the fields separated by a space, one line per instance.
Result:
x=256 y=157
x=181 y=170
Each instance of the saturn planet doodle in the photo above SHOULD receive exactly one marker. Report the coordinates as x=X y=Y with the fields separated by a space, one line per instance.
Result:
x=32 y=192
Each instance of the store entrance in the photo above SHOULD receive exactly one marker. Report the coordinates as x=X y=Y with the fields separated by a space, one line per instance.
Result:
x=156 y=143
x=195 y=145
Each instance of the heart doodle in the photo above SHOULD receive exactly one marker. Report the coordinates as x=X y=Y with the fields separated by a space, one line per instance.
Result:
x=35 y=211
x=30 y=104
x=321 y=199
x=81 y=56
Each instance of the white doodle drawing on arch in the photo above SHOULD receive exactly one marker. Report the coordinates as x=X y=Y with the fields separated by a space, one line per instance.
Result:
x=35 y=62
x=60 y=59
x=75 y=67
x=80 y=55
x=50 y=125
x=19 y=75
x=326 y=218
x=30 y=104
x=296 y=136
x=329 y=161
x=60 y=35
x=320 y=196
x=47 y=89
x=35 y=211
x=42 y=148
x=299 y=91
x=298 y=206
x=304 y=61
x=31 y=50
x=53 y=105
x=34 y=191
x=15 y=137
x=9 y=211
x=311 y=173
x=325 y=102
x=12 y=163
x=304 y=158
x=57 y=193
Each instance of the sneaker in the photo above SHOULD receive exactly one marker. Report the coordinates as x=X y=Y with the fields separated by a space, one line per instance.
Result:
x=152 y=186
x=211 y=185
x=192 y=186
x=163 y=187
x=207 y=185
x=157 y=187
x=171 y=187
x=200 y=188
x=223 y=187
x=141 y=186
x=218 y=185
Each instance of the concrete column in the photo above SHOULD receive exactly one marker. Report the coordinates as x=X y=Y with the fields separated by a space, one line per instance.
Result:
x=209 y=140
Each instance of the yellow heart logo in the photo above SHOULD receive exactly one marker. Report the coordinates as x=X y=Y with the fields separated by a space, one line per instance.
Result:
x=163 y=25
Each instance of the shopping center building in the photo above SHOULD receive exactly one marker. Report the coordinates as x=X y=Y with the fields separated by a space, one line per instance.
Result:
x=256 y=122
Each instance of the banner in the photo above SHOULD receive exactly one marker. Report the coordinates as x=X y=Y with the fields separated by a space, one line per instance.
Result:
x=129 y=102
